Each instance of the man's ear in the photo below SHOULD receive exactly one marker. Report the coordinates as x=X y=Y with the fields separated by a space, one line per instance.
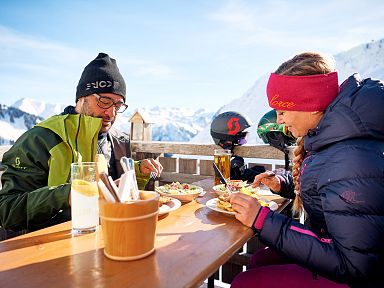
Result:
x=79 y=104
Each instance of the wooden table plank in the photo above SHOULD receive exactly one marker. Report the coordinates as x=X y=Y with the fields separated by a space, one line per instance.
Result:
x=191 y=244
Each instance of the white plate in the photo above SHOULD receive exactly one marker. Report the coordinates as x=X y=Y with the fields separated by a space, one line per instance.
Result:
x=211 y=204
x=169 y=206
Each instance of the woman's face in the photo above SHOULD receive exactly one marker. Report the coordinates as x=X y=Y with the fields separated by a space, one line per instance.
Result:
x=298 y=122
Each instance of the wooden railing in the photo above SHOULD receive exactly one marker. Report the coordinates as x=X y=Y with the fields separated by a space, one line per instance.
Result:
x=188 y=163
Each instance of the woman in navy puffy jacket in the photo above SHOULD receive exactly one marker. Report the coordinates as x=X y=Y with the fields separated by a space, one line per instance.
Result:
x=339 y=182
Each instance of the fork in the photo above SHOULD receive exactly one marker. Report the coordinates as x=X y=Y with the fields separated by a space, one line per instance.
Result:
x=153 y=175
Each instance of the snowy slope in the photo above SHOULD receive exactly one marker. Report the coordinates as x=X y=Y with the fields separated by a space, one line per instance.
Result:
x=13 y=123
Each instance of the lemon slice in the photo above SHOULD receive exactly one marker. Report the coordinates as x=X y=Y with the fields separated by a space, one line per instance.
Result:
x=85 y=188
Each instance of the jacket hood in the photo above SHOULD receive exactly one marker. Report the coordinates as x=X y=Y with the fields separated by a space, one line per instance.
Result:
x=78 y=132
x=357 y=112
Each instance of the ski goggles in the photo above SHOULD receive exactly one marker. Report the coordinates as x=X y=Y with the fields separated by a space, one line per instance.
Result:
x=265 y=132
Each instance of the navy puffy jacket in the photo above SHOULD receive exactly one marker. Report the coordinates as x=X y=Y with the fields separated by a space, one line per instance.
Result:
x=342 y=186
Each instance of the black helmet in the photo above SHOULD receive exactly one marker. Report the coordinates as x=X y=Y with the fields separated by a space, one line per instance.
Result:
x=227 y=129
x=274 y=134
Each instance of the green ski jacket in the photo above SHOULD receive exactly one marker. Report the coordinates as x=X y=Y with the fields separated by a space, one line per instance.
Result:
x=35 y=185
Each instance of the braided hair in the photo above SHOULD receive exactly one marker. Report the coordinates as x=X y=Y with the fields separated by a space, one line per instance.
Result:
x=304 y=64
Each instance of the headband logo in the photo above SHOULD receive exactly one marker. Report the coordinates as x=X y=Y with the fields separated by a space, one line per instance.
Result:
x=280 y=104
x=233 y=126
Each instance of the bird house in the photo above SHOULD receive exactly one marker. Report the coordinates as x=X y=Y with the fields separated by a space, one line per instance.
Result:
x=141 y=127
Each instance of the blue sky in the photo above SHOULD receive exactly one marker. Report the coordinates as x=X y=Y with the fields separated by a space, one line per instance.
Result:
x=198 y=54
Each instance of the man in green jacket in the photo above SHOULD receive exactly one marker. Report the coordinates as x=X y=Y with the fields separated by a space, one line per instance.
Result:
x=36 y=188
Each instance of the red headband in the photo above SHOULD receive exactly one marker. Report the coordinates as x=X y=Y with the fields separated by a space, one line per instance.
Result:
x=302 y=93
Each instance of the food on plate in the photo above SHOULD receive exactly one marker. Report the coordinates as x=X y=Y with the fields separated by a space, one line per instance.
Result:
x=233 y=185
x=223 y=203
x=220 y=189
x=236 y=185
x=164 y=200
x=223 y=200
x=178 y=188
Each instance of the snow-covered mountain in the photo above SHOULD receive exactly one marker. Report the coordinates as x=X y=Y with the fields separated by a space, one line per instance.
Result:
x=182 y=124
x=38 y=108
x=253 y=104
x=13 y=123
x=366 y=59
x=169 y=124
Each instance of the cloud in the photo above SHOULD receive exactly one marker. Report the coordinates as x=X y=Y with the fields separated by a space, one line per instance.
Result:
x=235 y=14
x=155 y=70
x=288 y=24
x=27 y=49
x=40 y=68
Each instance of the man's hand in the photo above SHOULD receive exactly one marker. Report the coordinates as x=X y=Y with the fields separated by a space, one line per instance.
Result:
x=269 y=179
x=246 y=208
x=150 y=165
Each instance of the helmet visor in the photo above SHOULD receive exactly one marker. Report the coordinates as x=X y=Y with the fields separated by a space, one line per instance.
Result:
x=241 y=138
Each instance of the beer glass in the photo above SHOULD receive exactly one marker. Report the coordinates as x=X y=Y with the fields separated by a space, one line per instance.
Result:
x=84 y=198
x=222 y=159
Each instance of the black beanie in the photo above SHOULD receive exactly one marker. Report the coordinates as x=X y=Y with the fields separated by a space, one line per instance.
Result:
x=101 y=76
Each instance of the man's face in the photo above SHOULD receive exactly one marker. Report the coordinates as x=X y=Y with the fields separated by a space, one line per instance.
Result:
x=88 y=106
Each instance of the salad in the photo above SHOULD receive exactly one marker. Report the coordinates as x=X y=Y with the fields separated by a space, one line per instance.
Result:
x=179 y=188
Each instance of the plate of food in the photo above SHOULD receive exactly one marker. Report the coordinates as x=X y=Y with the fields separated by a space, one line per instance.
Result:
x=168 y=204
x=221 y=204
x=215 y=205
x=181 y=191
x=233 y=185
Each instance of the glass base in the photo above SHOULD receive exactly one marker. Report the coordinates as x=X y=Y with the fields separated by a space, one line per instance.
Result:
x=80 y=231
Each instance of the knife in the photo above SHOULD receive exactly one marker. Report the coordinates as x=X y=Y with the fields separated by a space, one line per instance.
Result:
x=219 y=175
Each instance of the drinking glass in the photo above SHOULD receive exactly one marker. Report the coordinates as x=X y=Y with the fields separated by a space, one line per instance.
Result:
x=222 y=159
x=84 y=198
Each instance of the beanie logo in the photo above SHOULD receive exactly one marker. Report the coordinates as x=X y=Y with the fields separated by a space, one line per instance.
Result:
x=233 y=126
x=275 y=103
x=99 y=84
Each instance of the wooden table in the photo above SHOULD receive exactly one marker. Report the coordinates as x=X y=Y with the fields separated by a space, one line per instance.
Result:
x=191 y=244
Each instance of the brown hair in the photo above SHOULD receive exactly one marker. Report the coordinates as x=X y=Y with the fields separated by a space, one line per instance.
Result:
x=307 y=63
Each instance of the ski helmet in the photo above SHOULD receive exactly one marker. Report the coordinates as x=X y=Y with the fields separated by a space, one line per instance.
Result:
x=227 y=129
x=274 y=134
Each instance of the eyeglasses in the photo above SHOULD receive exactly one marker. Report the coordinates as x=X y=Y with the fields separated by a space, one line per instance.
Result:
x=106 y=103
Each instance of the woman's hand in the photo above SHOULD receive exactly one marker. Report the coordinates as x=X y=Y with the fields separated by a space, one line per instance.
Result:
x=246 y=208
x=269 y=179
